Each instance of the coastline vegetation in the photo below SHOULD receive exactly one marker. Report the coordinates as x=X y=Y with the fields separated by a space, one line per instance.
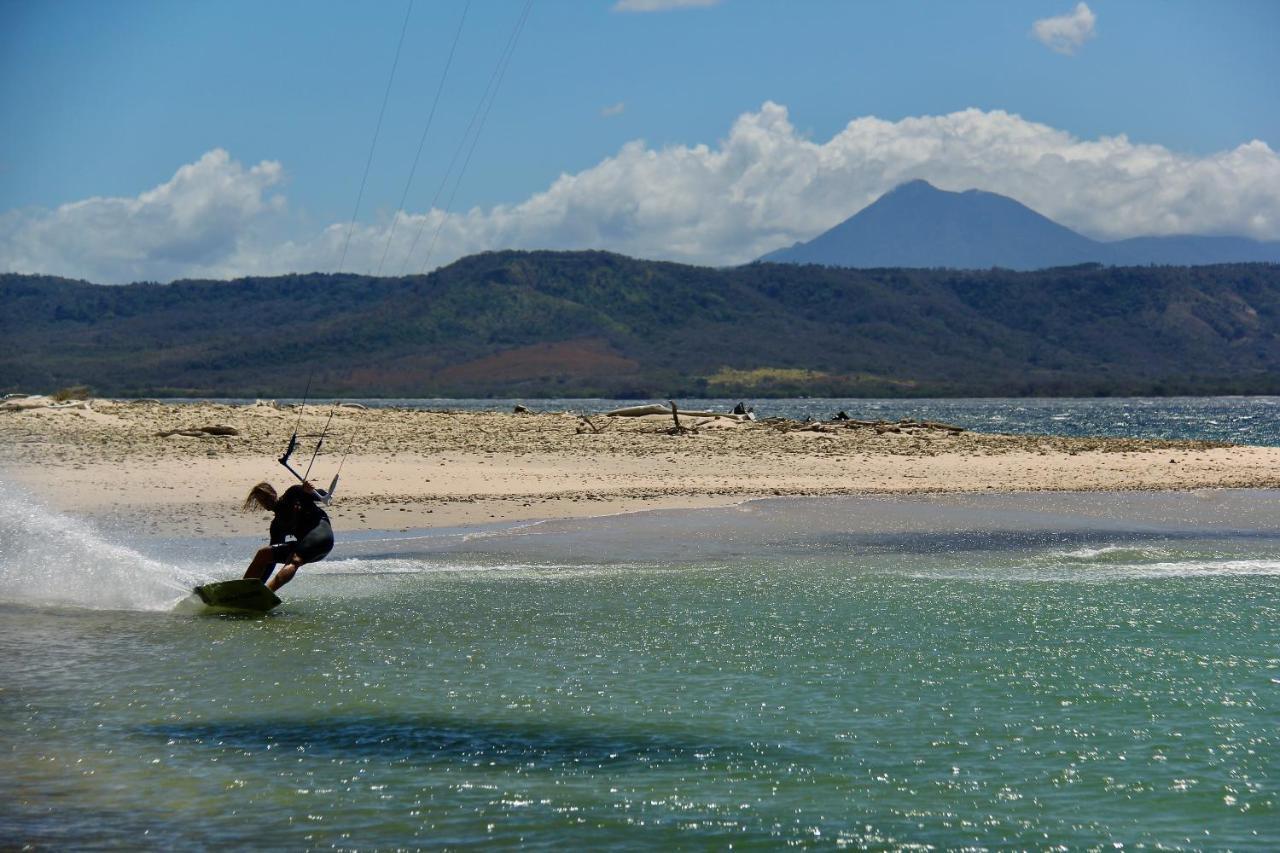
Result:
x=561 y=324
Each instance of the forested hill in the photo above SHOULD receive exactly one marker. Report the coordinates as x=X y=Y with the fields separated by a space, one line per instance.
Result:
x=592 y=323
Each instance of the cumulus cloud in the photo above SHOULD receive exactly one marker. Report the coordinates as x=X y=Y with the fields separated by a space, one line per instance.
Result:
x=659 y=5
x=1066 y=33
x=614 y=109
x=190 y=224
x=764 y=186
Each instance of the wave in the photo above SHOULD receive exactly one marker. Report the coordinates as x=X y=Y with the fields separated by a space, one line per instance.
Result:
x=1109 y=554
x=49 y=558
x=1085 y=571
x=408 y=566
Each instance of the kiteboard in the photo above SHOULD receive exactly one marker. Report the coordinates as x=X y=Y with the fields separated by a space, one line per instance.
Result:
x=249 y=594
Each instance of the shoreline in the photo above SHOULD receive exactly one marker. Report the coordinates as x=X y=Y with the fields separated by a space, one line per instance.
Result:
x=122 y=463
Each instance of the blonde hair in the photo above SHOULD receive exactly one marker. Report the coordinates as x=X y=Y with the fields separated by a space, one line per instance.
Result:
x=262 y=495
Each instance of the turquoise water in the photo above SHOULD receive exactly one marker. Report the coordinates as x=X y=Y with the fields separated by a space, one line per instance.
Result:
x=1021 y=671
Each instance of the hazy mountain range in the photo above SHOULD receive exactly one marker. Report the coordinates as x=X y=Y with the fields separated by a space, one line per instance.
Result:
x=918 y=225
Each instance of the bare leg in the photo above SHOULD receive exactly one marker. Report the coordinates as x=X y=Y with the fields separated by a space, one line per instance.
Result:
x=262 y=564
x=285 y=574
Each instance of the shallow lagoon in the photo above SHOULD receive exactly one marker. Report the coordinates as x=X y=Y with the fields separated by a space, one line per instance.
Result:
x=994 y=671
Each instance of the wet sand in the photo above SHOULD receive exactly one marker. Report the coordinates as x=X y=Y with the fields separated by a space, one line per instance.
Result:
x=406 y=469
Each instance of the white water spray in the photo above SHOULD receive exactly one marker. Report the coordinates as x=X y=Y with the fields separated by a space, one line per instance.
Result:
x=52 y=559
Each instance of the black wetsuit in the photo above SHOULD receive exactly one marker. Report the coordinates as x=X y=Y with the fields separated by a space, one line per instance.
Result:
x=298 y=514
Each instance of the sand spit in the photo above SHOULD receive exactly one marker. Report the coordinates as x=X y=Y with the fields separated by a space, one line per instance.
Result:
x=172 y=468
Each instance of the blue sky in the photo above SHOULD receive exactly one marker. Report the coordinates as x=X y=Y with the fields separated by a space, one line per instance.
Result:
x=108 y=101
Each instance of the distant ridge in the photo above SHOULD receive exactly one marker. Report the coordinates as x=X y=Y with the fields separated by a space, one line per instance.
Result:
x=595 y=324
x=919 y=225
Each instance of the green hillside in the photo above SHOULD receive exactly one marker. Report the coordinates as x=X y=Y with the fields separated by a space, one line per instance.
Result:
x=593 y=323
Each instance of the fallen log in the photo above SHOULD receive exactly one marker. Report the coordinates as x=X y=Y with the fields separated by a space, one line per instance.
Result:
x=638 y=411
x=39 y=401
x=655 y=409
x=911 y=422
x=199 y=432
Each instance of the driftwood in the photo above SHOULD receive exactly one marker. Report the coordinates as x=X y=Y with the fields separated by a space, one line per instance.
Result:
x=585 y=423
x=936 y=425
x=720 y=415
x=200 y=432
x=881 y=427
x=675 y=416
x=679 y=428
x=39 y=401
x=638 y=411
x=655 y=409
x=899 y=425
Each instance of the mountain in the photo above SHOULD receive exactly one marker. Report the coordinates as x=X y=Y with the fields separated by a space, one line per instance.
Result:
x=918 y=225
x=1192 y=251
x=536 y=324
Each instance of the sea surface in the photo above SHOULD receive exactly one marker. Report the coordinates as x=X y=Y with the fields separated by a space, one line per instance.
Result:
x=1240 y=420
x=995 y=671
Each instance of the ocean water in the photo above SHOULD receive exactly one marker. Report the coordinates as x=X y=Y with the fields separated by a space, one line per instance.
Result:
x=1026 y=671
x=1240 y=420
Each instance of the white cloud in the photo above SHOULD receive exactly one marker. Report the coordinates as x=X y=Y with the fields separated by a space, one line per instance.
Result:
x=659 y=5
x=614 y=109
x=185 y=226
x=1066 y=33
x=763 y=187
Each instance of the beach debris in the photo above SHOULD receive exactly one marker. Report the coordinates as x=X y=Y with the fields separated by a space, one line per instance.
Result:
x=932 y=425
x=900 y=427
x=521 y=409
x=40 y=401
x=361 y=406
x=638 y=411
x=585 y=423
x=652 y=409
x=678 y=429
x=703 y=419
x=200 y=432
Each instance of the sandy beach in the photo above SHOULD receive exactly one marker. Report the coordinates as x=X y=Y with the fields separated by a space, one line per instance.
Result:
x=163 y=468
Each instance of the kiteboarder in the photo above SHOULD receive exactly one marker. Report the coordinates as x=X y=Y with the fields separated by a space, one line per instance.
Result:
x=297 y=514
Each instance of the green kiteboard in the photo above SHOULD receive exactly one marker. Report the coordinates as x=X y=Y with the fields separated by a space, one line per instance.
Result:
x=249 y=594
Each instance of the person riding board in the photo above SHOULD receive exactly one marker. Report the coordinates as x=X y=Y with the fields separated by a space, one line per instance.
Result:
x=297 y=514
